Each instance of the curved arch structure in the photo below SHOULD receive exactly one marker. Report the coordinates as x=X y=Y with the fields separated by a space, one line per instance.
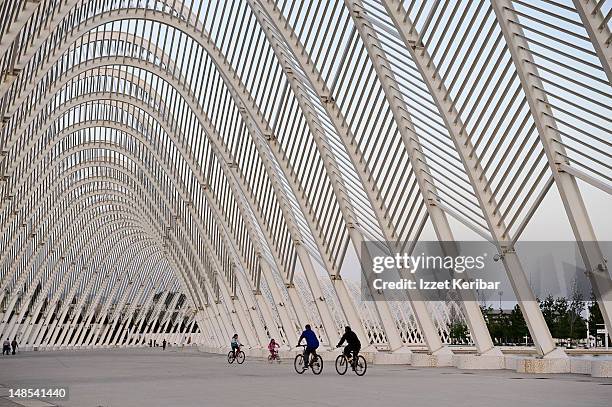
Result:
x=187 y=170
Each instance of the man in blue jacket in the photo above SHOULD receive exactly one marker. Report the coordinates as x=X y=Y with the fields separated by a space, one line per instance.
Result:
x=312 y=343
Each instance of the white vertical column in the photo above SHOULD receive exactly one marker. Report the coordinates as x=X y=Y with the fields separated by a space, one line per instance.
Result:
x=550 y=137
x=471 y=163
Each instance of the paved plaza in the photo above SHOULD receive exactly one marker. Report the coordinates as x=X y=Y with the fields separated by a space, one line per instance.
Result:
x=152 y=377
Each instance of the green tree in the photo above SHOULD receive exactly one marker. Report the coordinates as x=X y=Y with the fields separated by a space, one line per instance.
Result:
x=498 y=324
x=560 y=328
x=518 y=327
x=457 y=328
x=547 y=306
x=458 y=332
x=576 y=324
x=595 y=317
x=564 y=317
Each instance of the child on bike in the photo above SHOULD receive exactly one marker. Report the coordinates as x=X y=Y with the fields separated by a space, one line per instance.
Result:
x=272 y=346
x=235 y=344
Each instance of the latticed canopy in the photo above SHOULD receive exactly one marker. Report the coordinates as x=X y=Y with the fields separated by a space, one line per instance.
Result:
x=201 y=168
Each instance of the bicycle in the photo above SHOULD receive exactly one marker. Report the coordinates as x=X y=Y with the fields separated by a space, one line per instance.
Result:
x=316 y=363
x=359 y=366
x=237 y=356
x=274 y=356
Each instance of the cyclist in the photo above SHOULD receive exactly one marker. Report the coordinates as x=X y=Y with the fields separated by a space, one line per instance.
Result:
x=353 y=345
x=272 y=346
x=235 y=344
x=312 y=343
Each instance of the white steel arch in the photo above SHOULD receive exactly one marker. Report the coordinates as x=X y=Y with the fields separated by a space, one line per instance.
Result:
x=251 y=144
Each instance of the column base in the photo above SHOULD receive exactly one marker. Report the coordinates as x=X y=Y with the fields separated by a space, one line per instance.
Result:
x=441 y=358
x=492 y=359
x=592 y=367
x=601 y=368
x=400 y=356
x=556 y=361
x=580 y=365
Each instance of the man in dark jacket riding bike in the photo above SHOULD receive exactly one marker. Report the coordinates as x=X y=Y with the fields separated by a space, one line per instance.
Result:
x=353 y=345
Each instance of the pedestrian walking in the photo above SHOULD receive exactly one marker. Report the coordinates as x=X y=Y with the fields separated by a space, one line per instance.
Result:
x=14 y=345
x=6 y=347
x=164 y=345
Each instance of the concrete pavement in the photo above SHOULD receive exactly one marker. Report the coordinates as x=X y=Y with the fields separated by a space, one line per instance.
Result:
x=152 y=377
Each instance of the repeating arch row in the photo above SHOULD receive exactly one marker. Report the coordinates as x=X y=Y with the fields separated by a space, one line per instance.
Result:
x=263 y=157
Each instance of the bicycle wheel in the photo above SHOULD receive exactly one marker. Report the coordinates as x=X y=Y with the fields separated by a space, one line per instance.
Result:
x=317 y=365
x=341 y=364
x=240 y=357
x=361 y=366
x=230 y=357
x=298 y=364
